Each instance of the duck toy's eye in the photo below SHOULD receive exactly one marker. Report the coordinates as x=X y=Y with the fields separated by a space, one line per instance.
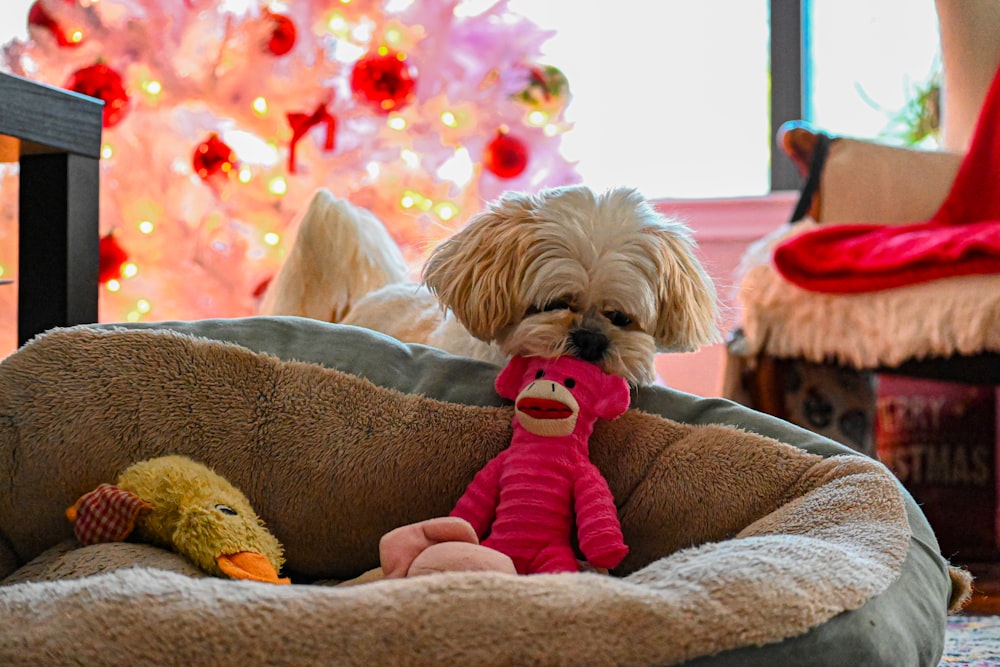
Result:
x=539 y=375
x=226 y=509
x=570 y=383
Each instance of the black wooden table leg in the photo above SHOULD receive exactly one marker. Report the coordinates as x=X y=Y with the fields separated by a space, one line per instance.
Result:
x=59 y=242
x=58 y=147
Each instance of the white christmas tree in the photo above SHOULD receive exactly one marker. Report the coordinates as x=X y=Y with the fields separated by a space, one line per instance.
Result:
x=223 y=118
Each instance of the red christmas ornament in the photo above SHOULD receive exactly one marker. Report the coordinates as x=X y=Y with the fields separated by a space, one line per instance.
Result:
x=213 y=156
x=283 y=34
x=384 y=80
x=506 y=156
x=112 y=259
x=104 y=83
x=39 y=18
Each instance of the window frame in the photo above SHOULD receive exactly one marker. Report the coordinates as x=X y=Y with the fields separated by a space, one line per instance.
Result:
x=788 y=45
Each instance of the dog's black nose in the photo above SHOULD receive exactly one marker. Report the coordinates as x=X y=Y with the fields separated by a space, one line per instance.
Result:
x=590 y=345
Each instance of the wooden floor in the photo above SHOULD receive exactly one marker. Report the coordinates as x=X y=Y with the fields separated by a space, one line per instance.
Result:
x=985 y=589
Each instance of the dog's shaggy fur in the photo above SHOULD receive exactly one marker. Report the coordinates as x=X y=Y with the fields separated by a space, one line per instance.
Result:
x=603 y=277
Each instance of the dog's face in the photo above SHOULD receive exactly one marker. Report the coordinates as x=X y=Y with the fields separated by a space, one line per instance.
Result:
x=602 y=277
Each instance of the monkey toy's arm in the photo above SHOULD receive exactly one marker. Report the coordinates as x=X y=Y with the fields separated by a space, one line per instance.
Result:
x=478 y=505
x=598 y=528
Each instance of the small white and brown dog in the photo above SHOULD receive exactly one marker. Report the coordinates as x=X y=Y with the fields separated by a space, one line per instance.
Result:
x=603 y=277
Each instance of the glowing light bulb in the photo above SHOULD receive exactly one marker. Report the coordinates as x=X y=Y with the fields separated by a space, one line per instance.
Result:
x=245 y=175
x=393 y=36
x=396 y=122
x=143 y=306
x=129 y=270
x=446 y=211
x=75 y=36
x=271 y=238
x=550 y=130
x=448 y=119
x=113 y=285
x=107 y=151
x=413 y=199
x=259 y=105
x=537 y=118
x=153 y=87
x=145 y=226
x=383 y=50
x=277 y=186
x=133 y=316
x=336 y=24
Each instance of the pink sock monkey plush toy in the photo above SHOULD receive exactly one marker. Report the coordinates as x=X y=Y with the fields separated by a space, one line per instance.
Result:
x=528 y=498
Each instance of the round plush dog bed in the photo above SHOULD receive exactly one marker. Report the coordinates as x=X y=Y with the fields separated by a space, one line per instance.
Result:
x=751 y=542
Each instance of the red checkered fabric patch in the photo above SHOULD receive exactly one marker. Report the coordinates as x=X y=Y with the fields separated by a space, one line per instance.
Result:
x=106 y=514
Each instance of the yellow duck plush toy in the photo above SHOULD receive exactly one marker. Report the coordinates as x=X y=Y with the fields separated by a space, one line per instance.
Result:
x=180 y=504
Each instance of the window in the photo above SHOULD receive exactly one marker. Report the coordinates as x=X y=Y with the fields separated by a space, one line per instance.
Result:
x=868 y=61
x=672 y=96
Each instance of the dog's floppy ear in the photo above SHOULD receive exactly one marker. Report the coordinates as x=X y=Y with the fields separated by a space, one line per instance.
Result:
x=688 y=310
x=478 y=272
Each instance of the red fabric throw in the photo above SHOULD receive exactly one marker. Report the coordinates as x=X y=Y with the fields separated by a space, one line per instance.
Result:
x=962 y=237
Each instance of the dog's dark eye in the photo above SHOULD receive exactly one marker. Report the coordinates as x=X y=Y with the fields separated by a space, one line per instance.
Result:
x=226 y=509
x=539 y=375
x=618 y=318
x=570 y=383
x=558 y=304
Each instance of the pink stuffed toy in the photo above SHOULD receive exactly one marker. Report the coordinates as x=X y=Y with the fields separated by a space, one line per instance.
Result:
x=529 y=496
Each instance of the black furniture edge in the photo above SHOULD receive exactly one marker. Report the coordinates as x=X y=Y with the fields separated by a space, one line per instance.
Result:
x=59 y=135
x=50 y=119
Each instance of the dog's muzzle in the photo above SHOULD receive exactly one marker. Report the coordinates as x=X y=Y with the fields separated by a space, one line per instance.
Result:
x=589 y=345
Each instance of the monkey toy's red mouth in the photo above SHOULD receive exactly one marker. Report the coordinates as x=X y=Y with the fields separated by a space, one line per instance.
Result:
x=544 y=408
